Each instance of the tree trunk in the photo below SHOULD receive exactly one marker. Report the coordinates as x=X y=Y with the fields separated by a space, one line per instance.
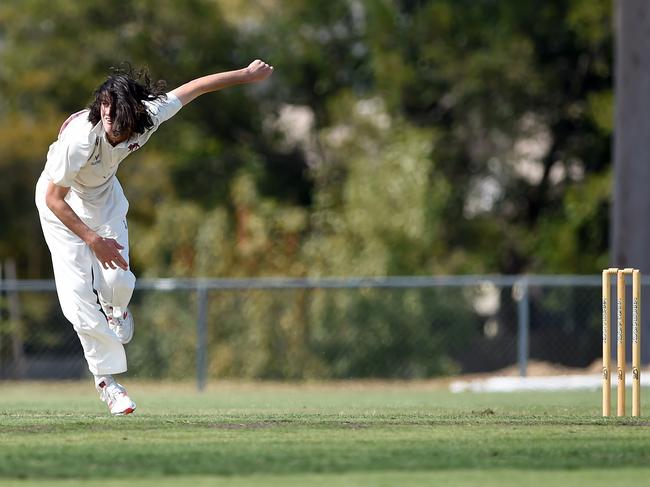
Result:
x=630 y=228
x=631 y=205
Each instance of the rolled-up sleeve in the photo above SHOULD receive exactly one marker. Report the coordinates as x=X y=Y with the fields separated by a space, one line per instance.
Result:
x=163 y=109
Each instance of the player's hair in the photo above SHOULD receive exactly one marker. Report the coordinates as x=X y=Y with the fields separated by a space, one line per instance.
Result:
x=125 y=90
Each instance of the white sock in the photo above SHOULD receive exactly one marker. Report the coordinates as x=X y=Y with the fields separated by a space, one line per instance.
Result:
x=103 y=378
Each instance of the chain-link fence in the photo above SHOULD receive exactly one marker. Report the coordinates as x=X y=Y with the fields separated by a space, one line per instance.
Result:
x=397 y=327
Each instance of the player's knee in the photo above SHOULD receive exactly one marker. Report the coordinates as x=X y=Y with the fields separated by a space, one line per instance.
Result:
x=71 y=314
x=122 y=285
x=75 y=299
x=121 y=282
x=85 y=317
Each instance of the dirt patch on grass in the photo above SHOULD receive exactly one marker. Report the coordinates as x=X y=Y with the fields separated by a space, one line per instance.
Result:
x=276 y=424
x=248 y=426
x=32 y=428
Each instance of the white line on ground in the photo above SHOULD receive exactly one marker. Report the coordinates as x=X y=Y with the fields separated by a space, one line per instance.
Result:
x=552 y=383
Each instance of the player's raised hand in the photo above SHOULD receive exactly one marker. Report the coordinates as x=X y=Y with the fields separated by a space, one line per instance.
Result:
x=258 y=71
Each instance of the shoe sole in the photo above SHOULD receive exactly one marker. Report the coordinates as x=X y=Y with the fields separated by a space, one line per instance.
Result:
x=125 y=412
x=129 y=338
x=123 y=341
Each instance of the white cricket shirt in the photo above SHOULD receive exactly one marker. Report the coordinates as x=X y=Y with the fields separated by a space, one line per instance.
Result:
x=82 y=159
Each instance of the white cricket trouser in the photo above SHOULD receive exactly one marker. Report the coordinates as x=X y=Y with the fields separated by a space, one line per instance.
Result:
x=80 y=278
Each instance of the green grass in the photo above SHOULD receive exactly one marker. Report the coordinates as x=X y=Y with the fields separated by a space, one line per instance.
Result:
x=315 y=434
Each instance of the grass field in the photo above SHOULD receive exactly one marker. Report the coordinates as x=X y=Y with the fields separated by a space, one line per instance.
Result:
x=340 y=434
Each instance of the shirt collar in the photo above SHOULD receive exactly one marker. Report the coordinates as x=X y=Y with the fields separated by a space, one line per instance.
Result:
x=98 y=129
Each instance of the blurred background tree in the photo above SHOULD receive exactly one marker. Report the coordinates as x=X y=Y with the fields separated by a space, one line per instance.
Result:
x=394 y=137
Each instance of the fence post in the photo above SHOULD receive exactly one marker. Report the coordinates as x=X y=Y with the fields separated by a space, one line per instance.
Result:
x=201 y=336
x=1 y=318
x=520 y=293
x=19 y=364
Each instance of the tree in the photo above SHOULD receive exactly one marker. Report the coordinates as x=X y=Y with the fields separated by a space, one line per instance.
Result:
x=630 y=231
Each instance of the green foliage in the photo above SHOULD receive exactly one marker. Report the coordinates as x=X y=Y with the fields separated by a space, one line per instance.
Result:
x=576 y=237
x=166 y=336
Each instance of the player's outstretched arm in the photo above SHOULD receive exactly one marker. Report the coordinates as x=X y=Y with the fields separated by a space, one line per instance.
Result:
x=255 y=71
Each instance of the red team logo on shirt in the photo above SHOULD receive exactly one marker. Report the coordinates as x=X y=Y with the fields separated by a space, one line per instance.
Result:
x=133 y=147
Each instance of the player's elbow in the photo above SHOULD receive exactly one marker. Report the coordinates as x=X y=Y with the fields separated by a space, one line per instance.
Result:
x=52 y=201
x=55 y=197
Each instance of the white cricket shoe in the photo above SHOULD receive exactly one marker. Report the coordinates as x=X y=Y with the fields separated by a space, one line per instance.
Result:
x=121 y=322
x=115 y=396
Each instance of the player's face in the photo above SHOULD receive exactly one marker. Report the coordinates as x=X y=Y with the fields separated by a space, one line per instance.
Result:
x=107 y=123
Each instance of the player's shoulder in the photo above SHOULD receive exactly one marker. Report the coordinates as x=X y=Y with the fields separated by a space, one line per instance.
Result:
x=78 y=132
x=75 y=122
